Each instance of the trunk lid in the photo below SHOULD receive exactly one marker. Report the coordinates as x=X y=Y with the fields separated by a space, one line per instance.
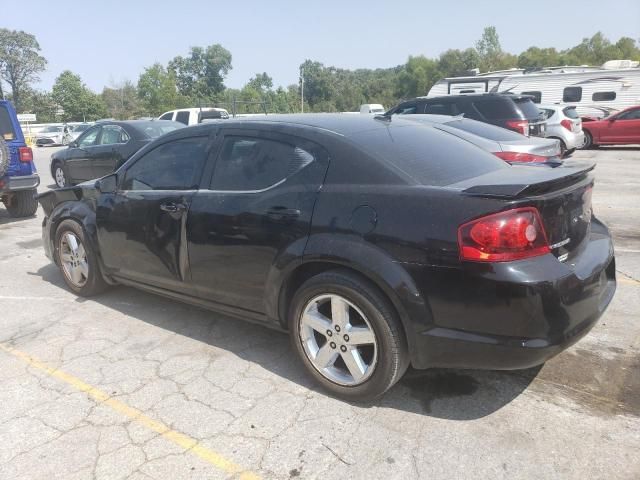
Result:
x=562 y=195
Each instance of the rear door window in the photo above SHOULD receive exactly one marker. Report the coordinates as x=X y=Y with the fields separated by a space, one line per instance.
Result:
x=441 y=108
x=249 y=164
x=7 y=131
x=425 y=156
x=183 y=117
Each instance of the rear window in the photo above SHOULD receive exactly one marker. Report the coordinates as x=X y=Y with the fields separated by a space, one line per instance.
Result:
x=537 y=96
x=6 y=126
x=504 y=108
x=485 y=130
x=528 y=108
x=571 y=112
x=426 y=156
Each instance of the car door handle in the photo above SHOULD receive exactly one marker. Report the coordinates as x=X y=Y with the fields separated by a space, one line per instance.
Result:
x=283 y=213
x=171 y=207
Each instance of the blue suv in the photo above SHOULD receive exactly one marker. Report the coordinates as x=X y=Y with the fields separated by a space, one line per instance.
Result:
x=18 y=177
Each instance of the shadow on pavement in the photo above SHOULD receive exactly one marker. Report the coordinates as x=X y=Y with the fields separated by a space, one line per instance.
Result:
x=6 y=219
x=441 y=393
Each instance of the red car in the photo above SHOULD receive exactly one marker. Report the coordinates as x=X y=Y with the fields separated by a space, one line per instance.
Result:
x=622 y=128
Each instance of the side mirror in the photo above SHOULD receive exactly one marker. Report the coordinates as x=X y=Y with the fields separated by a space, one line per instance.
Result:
x=73 y=144
x=108 y=184
x=612 y=119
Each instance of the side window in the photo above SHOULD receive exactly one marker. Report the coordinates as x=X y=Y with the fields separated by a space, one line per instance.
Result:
x=630 y=115
x=572 y=94
x=408 y=109
x=441 y=109
x=603 y=96
x=167 y=116
x=537 y=96
x=89 y=137
x=251 y=163
x=112 y=134
x=172 y=166
x=183 y=117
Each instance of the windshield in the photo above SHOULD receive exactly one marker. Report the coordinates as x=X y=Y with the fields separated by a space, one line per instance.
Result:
x=52 y=129
x=157 y=128
x=6 y=126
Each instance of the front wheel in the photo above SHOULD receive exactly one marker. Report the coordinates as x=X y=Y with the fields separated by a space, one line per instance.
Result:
x=348 y=335
x=588 y=141
x=59 y=176
x=77 y=260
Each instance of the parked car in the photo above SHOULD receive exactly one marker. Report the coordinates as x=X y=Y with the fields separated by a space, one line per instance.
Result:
x=514 y=112
x=79 y=129
x=18 y=176
x=194 y=116
x=51 y=135
x=622 y=128
x=376 y=244
x=564 y=124
x=510 y=146
x=104 y=147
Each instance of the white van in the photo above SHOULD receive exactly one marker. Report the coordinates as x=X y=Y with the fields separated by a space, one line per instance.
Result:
x=194 y=116
x=372 y=108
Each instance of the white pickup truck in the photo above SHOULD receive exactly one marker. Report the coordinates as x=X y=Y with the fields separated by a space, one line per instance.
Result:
x=194 y=116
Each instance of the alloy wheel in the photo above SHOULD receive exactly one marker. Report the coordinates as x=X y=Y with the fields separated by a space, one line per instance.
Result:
x=59 y=177
x=338 y=340
x=73 y=259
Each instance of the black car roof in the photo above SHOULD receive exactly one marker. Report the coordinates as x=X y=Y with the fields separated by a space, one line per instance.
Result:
x=476 y=96
x=344 y=124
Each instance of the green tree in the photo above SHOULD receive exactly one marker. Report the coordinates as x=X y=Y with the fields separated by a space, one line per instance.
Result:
x=535 y=57
x=628 y=49
x=20 y=62
x=261 y=82
x=41 y=103
x=418 y=76
x=78 y=102
x=122 y=101
x=158 y=91
x=201 y=74
x=492 y=57
x=457 y=62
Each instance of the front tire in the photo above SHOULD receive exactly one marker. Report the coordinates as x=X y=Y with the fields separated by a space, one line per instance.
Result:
x=22 y=203
x=348 y=335
x=77 y=260
x=588 y=141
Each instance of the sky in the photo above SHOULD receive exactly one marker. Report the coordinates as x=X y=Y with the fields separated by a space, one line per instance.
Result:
x=108 y=41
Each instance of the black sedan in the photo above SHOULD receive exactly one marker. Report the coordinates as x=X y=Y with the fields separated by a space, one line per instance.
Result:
x=103 y=148
x=376 y=244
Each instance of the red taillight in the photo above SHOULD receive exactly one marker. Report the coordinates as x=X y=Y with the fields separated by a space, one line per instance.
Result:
x=502 y=237
x=25 y=154
x=520 y=126
x=521 y=157
x=567 y=124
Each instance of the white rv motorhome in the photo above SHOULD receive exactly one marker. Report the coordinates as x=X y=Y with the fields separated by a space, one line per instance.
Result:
x=615 y=85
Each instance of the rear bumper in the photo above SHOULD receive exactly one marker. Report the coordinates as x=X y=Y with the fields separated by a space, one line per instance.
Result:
x=519 y=314
x=12 y=184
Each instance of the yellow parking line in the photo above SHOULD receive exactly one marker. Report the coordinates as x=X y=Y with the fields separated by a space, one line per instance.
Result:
x=136 y=415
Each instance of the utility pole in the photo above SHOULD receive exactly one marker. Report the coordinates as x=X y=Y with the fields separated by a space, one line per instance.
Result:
x=302 y=89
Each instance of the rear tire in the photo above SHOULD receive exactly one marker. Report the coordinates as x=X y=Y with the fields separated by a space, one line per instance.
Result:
x=77 y=261
x=22 y=203
x=359 y=354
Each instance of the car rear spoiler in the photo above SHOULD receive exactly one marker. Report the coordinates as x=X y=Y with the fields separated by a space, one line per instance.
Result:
x=521 y=180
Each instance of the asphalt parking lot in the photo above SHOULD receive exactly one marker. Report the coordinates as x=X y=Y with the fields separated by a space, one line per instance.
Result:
x=128 y=385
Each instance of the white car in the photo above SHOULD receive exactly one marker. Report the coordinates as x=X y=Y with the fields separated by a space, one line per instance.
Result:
x=194 y=116
x=564 y=124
